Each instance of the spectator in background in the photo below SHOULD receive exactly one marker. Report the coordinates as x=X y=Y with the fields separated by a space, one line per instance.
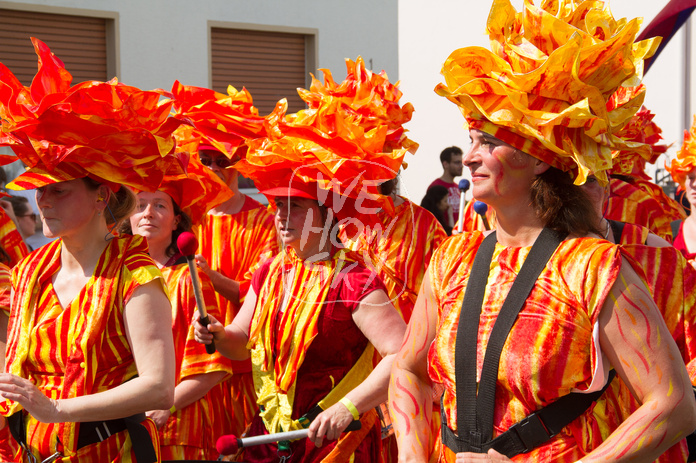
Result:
x=25 y=217
x=436 y=202
x=451 y=159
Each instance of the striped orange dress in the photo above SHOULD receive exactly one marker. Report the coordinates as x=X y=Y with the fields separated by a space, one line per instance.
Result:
x=188 y=434
x=630 y=204
x=10 y=240
x=236 y=245
x=399 y=249
x=675 y=296
x=8 y=447
x=550 y=349
x=77 y=350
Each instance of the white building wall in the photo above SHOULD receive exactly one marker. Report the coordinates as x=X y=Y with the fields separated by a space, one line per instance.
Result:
x=159 y=41
x=427 y=35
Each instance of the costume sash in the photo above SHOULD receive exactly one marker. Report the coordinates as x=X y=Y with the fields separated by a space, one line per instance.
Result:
x=87 y=319
x=277 y=361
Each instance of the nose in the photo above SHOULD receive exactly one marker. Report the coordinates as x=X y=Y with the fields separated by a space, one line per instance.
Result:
x=147 y=212
x=471 y=156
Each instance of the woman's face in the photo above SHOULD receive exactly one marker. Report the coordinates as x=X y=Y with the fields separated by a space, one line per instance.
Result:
x=597 y=193
x=499 y=172
x=66 y=208
x=443 y=204
x=690 y=186
x=299 y=221
x=154 y=218
x=27 y=223
x=220 y=164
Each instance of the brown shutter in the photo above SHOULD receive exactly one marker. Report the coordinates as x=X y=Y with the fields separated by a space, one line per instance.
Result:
x=271 y=65
x=79 y=41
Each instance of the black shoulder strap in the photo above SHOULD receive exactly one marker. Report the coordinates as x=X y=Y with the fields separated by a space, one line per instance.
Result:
x=475 y=411
x=617 y=229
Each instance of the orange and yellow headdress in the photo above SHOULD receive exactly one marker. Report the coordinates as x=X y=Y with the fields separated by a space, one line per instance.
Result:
x=642 y=136
x=685 y=161
x=340 y=149
x=197 y=190
x=544 y=85
x=111 y=132
x=224 y=122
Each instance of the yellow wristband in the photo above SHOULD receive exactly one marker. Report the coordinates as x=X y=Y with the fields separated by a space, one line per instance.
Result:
x=351 y=408
x=173 y=409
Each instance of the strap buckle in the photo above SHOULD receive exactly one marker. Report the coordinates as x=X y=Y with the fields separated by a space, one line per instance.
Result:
x=531 y=432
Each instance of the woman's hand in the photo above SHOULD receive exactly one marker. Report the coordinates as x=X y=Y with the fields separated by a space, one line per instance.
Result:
x=29 y=396
x=329 y=424
x=492 y=455
x=160 y=417
x=206 y=334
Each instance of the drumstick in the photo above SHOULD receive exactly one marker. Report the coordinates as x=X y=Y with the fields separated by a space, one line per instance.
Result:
x=463 y=188
x=481 y=209
x=230 y=444
x=188 y=244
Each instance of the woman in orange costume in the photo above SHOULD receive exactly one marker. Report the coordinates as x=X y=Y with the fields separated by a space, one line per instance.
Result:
x=652 y=257
x=587 y=311
x=83 y=360
x=186 y=430
x=315 y=316
x=9 y=450
x=235 y=236
x=683 y=170
x=634 y=198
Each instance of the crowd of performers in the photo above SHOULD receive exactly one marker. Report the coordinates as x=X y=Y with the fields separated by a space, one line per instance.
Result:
x=338 y=305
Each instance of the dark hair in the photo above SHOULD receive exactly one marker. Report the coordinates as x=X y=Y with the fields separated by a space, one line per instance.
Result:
x=430 y=202
x=446 y=154
x=20 y=205
x=389 y=186
x=183 y=226
x=561 y=205
x=121 y=203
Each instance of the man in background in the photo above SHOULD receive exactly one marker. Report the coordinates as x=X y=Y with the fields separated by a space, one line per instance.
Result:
x=451 y=160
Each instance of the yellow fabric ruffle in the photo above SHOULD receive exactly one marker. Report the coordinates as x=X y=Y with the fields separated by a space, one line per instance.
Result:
x=686 y=157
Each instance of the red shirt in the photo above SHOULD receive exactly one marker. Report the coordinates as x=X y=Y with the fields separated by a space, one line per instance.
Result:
x=452 y=197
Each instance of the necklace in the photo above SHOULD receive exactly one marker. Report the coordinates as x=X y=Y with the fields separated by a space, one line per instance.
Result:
x=606 y=233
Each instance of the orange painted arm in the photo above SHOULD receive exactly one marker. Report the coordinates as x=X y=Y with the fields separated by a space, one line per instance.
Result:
x=636 y=341
x=410 y=389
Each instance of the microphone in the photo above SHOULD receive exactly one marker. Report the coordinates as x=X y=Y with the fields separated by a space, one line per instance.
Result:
x=463 y=188
x=188 y=244
x=230 y=444
x=481 y=208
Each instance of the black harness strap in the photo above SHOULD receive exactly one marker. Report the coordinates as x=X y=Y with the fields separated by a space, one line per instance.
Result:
x=617 y=229
x=475 y=409
x=534 y=429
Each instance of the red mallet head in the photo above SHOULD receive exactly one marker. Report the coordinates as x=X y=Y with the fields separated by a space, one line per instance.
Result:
x=227 y=445
x=187 y=243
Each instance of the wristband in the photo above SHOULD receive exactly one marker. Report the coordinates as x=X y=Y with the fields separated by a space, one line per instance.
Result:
x=173 y=409
x=351 y=407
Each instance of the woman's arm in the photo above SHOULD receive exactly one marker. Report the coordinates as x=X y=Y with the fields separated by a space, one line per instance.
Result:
x=226 y=287
x=410 y=389
x=636 y=341
x=230 y=340
x=147 y=318
x=382 y=325
x=189 y=390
